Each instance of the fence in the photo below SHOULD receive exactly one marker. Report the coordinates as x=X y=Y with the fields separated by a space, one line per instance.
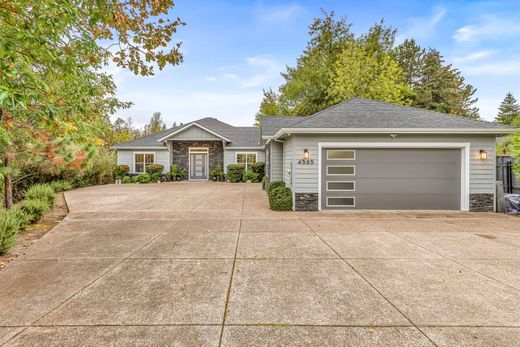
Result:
x=505 y=174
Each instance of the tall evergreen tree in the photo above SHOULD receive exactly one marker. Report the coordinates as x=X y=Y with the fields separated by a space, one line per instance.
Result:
x=269 y=105
x=156 y=124
x=509 y=110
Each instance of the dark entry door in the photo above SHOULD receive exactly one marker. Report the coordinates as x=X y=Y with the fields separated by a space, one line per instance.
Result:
x=198 y=166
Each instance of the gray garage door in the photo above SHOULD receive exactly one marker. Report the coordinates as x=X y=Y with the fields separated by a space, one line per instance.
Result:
x=390 y=179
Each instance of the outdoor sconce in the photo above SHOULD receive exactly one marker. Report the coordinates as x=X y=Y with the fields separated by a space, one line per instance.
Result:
x=482 y=154
x=305 y=154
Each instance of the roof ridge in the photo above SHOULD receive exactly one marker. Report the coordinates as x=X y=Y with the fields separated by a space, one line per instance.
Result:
x=319 y=112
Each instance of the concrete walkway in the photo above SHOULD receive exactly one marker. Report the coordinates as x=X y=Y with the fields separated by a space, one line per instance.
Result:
x=208 y=264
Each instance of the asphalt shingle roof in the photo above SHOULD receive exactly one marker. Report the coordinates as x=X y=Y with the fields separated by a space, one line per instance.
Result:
x=271 y=124
x=364 y=113
x=239 y=136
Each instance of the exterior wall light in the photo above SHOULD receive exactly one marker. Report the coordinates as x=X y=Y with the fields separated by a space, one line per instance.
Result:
x=305 y=154
x=482 y=154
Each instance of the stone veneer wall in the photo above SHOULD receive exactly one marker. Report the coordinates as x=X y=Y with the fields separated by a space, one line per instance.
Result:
x=306 y=201
x=481 y=202
x=180 y=153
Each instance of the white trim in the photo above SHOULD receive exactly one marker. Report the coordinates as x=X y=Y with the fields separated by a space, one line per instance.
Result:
x=140 y=147
x=144 y=164
x=464 y=164
x=200 y=150
x=344 y=150
x=352 y=174
x=289 y=131
x=341 y=197
x=189 y=126
x=340 y=190
x=237 y=153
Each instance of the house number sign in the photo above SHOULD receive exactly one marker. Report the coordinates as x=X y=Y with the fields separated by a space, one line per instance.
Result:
x=306 y=161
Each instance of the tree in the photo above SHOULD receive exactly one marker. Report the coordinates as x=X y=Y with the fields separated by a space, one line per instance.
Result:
x=361 y=71
x=509 y=110
x=124 y=130
x=437 y=86
x=156 y=124
x=269 y=105
x=52 y=89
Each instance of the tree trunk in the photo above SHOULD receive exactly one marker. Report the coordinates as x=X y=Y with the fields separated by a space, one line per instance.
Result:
x=8 y=184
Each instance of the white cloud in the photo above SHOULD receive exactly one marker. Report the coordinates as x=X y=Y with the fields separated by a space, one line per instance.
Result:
x=278 y=13
x=210 y=78
x=497 y=68
x=490 y=26
x=423 y=27
x=471 y=57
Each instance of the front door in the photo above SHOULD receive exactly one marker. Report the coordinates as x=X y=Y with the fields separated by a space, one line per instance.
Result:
x=198 y=166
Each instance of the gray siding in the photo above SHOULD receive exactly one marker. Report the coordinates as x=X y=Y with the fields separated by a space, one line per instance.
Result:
x=195 y=133
x=229 y=155
x=126 y=157
x=305 y=177
x=276 y=161
x=288 y=162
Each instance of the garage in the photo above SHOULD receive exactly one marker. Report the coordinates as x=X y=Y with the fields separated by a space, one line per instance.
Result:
x=390 y=178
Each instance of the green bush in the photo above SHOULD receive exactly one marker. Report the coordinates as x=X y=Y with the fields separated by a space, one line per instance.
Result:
x=20 y=216
x=177 y=173
x=217 y=173
x=41 y=192
x=144 y=178
x=127 y=179
x=135 y=179
x=263 y=183
x=61 y=186
x=35 y=209
x=121 y=170
x=249 y=175
x=280 y=199
x=154 y=169
x=259 y=169
x=235 y=172
x=9 y=226
x=274 y=184
x=155 y=177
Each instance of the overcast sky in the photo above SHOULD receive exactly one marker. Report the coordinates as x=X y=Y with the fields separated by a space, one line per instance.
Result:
x=233 y=49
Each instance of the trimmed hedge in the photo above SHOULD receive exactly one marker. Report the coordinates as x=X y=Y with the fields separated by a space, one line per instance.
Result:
x=41 y=192
x=9 y=226
x=61 y=186
x=249 y=175
x=259 y=169
x=153 y=169
x=263 y=183
x=280 y=198
x=35 y=208
x=235 y=172
x=273 y=184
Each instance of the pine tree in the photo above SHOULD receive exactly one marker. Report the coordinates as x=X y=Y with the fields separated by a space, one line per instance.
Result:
x=509 y=110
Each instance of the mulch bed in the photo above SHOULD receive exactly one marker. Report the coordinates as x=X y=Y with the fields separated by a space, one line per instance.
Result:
x=35 y=231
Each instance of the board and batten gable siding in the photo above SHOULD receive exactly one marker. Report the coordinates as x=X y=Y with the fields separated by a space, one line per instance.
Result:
x=194 y=133
x=482 y=172
x=276 y=161
x=126 y=157
x=230 y=155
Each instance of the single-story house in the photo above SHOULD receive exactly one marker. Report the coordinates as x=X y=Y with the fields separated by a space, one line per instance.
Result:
x=196 y=147
x=359 y=154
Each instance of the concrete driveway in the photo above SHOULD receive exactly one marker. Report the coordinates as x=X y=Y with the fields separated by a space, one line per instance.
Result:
x=208 y=264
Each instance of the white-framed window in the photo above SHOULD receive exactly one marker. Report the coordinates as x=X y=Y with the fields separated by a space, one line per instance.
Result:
x=341 y=154
x=341 y=201
x=142 y=159
x=246 y=158
x=341 y=186
x=341 y=170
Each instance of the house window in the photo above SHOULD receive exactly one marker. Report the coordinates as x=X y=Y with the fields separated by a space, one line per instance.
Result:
x=246 y=158
x=141 y=160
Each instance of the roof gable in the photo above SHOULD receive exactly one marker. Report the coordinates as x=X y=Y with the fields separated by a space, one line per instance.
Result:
x=189 y=132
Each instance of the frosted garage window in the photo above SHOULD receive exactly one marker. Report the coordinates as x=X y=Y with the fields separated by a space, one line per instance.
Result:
x=339 y=186
x=341 y=170
x=340 y=201
x=343 y=154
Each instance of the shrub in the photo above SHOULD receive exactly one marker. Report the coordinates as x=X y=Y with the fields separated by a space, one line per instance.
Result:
x=235 y=172
x=121 y=170
x=217 y=172
x=154 y=169
x=9 y=226
x=127 y=179
x=20 y=216
x=61 y=186
x=41 y=192
x=144 y=178
x=135 y=179
x=249 y=175
x=263 y=183
x=177 y=172
x=35 y=209
x=280 y=199
x=259 y=169
x=155 y=177
x=274 y=184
